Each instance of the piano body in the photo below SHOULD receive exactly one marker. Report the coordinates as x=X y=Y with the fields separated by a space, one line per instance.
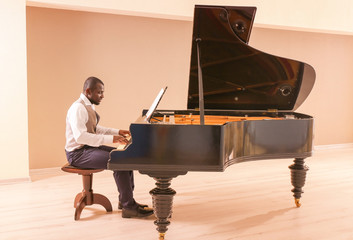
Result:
x=241 y=104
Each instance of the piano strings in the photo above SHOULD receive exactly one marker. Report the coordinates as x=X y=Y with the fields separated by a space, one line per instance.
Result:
x=209 y=119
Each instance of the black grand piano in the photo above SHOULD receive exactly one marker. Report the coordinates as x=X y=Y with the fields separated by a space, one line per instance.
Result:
x=241 y=104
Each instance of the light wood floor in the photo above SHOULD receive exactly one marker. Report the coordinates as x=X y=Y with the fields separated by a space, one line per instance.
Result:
x=248 y=201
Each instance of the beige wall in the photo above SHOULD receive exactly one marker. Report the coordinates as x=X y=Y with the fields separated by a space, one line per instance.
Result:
x=136 y=56
x=13 y=96
x=330 y=101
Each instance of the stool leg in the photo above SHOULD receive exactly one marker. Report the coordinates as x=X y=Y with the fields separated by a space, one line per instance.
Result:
x=79 y=208
x=87 y=197
x=102 y=200
x=78 y=198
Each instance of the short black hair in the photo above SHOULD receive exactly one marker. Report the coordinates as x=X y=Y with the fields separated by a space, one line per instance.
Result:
x=91 y=82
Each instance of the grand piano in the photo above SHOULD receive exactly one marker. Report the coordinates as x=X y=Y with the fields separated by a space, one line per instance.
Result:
x=240 y=107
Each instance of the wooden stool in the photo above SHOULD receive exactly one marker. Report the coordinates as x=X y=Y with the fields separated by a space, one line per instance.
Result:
x=87 y=197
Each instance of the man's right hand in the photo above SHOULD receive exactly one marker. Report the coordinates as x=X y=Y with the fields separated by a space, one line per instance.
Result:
x=120 y=139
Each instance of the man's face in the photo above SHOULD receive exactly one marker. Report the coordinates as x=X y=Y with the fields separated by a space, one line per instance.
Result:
x=96 y=94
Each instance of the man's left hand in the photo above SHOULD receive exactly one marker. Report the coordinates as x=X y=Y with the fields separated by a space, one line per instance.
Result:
x=124 y=133
x=120 y=139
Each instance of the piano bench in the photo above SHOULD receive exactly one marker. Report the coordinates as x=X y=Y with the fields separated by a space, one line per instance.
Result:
x=87 y=197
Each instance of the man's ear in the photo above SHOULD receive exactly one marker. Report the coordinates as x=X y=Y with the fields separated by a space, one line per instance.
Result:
x=88 y=92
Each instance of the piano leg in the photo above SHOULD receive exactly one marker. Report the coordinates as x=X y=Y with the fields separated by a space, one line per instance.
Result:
x=162 y=199
x=298 y=175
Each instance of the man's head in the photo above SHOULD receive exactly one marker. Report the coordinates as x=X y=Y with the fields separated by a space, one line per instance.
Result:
x=93 y=89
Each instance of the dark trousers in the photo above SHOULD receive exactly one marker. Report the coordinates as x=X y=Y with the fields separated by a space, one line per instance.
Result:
x=97 y=157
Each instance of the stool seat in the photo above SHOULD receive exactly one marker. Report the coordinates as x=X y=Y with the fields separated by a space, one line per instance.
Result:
x=87 y=197
x=71 y=169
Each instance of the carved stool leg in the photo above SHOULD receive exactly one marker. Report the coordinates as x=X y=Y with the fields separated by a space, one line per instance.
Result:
x=162 y=198
x=78 y=198
x=80 y=206
x=87 y=197
x=102 y=200
x=298 y=175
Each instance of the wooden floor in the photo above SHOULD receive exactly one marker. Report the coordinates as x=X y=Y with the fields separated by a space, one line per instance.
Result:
x=248 y=201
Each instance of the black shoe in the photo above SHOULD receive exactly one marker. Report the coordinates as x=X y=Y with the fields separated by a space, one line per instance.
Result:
x=120 y=206
x=137 y=212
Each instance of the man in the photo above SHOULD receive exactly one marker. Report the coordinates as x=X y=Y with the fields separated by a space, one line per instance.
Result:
x=84 y=145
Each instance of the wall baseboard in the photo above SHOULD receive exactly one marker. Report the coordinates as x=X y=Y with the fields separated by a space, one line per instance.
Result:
x=41 y=171
x=15 y=180
x=333 y=146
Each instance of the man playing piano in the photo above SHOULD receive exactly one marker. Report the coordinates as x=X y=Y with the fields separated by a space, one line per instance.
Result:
x=84 y=145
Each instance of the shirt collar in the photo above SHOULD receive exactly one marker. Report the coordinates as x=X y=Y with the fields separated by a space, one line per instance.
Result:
x=86 y=100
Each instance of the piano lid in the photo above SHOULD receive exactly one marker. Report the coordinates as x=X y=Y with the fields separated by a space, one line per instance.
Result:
x=237 y=76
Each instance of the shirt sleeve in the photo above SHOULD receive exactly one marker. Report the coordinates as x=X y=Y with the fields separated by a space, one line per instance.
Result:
x=106 y=131
x=77 y=119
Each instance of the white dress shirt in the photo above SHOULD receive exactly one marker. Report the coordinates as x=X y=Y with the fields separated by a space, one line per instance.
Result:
x=76 y=130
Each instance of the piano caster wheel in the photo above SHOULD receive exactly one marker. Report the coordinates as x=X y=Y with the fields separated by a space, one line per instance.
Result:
x=161 y=236
x=297 y=202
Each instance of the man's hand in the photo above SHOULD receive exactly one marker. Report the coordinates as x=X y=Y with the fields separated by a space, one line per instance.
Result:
x=120 y=139
x=124 y=133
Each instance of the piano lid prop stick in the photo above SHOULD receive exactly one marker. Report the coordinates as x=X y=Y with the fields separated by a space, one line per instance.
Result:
x=199 y=71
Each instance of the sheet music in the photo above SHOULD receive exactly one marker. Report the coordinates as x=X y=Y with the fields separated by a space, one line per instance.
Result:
x=155 y=104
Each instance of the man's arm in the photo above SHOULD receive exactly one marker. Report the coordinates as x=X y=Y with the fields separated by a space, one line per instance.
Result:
x=111 y=131
x=119 y=135
x=106 y=131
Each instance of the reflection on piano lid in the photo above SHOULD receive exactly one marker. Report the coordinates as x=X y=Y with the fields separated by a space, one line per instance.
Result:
x=237 y=76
